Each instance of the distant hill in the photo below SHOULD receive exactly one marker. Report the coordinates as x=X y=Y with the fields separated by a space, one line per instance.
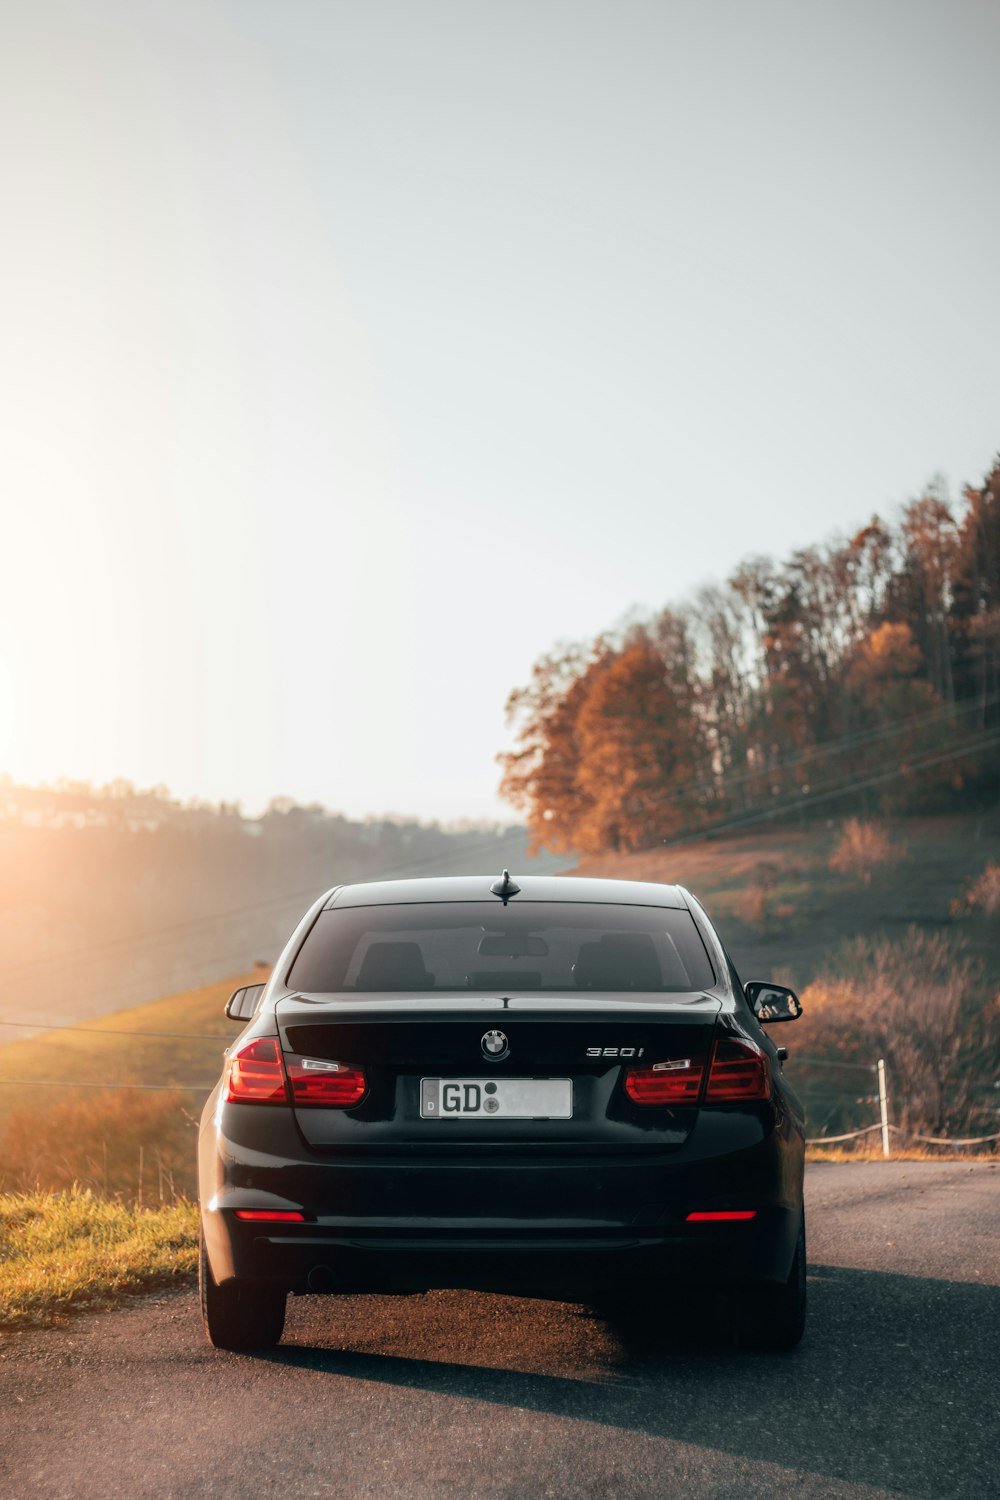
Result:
x=113 y=898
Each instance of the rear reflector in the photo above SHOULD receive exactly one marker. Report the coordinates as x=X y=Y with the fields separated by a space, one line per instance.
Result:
x=314 y=1081
x=716 y=1218
x=739 y=1071
x=254 y=1075
x=677 y=1082
x=269 y=1216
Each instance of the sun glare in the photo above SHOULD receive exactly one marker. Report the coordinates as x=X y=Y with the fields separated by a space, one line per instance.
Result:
x=6 y=712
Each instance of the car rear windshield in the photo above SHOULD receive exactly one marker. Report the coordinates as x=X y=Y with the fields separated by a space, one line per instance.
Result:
x=471 y=945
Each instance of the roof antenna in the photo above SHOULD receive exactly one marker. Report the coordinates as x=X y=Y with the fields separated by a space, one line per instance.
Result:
x=505 y=887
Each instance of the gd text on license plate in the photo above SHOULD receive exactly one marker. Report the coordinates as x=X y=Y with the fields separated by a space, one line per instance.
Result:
x=496 y=1098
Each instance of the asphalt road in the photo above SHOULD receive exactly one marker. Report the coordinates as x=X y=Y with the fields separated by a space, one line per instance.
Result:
x=893 y=1392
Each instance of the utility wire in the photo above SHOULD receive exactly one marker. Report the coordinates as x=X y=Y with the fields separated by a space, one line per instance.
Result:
x=278 y=901
x=190 y=975
x=854 y=739
x=190 y=1036
x=823 y=1062
x=799 y=804
x=153 y=934
x=62 y=1083
x=126 y=988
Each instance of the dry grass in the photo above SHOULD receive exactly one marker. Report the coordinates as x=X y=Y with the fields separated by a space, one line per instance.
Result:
x=66 y=1251
x=981 y=895
x=57 y=1129
x=908 y=1153
x=863 y=847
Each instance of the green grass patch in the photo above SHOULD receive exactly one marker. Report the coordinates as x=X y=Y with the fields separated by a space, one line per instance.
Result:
x=65 y=1251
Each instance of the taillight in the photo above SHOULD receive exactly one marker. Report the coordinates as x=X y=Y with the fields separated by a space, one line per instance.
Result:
x=261 y=1074
x=314 y=1080
x=254 y=1074
x=677 y=1082
x=738 y=1071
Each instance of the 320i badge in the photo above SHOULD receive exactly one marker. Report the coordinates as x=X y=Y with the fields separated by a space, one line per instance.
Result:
x=558 y=1087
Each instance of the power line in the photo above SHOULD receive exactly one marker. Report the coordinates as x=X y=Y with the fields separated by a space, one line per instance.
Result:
x=155 y=934
x=855 y=739
x=191 y=975
x=126 y=988
x=799 y=804
x=61 y=1083
x=190 y=1036
x=823 y=1062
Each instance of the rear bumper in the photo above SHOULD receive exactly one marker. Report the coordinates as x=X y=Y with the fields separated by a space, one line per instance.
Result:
x=309 y=1258
x=554 y=1224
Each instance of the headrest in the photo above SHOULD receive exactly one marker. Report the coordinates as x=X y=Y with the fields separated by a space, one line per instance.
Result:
x=620 y=961
x=504 y=979
x=393 y=966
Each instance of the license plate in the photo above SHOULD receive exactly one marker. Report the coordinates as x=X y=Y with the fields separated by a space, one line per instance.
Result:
x=496 y=1098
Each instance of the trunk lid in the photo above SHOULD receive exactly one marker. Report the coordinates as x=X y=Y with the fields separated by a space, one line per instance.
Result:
x=402 y=1042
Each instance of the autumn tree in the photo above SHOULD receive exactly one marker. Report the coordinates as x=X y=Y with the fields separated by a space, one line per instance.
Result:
x=930 y=536
x=976 y=607
x=636 y=745
x=607 y=745
x=861 y=672
x=540 y=774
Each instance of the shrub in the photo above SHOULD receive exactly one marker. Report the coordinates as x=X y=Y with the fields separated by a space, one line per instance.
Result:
x=981 y=895
x=758 y=905
x=862 y=848
x=919 y=1003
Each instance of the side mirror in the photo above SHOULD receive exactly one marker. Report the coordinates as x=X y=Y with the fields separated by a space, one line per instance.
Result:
x=243 y=1002
x=772 y=1002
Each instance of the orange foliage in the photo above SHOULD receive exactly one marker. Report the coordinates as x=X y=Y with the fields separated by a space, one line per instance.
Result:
x=862 y=847
x=606 y=738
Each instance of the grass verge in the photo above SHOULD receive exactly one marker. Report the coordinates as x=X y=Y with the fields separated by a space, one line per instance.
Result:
x=65 y=1251
x=64 y=1122
x=908 y=1153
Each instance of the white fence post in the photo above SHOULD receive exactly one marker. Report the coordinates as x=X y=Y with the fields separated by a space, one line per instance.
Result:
x=883 y=1106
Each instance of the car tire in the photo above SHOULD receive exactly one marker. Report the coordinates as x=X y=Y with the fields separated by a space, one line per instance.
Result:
x=775 y=1317
x=239 y=1314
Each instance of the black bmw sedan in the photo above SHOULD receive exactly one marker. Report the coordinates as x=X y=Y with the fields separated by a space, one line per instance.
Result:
x=557 y=1087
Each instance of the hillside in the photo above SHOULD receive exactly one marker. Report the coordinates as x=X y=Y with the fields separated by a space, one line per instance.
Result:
x=886 y=969
x=113 y=897
x=63 y=1121
x=823 y=909
x=66 y=1121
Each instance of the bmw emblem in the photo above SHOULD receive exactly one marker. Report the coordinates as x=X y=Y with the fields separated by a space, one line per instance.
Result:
x=495 y=1045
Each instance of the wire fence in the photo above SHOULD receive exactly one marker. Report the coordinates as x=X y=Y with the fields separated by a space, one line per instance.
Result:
x=883 y=1124
x=67 y=1085
x=912 y=1135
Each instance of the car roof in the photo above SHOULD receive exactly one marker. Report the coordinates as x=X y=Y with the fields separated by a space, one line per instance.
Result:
x=533 y=888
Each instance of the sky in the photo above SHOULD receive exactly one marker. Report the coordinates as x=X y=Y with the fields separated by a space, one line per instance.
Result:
x=355 y=352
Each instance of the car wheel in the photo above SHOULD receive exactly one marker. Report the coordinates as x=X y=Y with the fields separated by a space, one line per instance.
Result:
x=776 y=1316
x=239 y=1314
